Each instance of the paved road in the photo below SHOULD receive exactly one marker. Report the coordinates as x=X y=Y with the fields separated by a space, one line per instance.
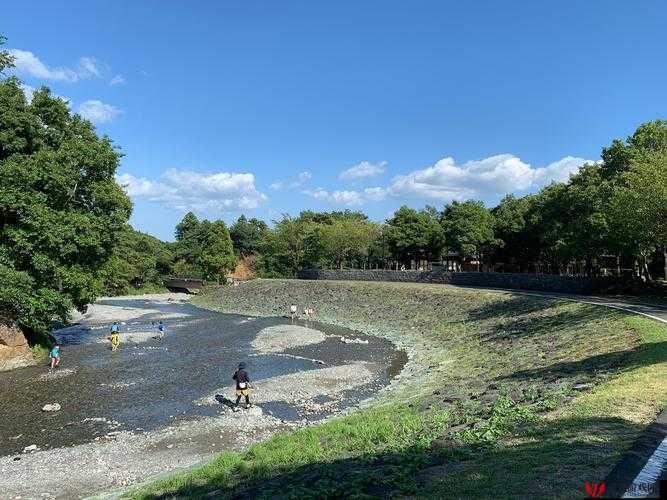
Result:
x=630 y=304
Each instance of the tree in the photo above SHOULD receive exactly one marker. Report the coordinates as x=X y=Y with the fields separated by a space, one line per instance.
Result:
x=468 y=228
x=649 y=137
x=137 y=261
x=188 y=246
x=203 y=249
x=414 y=234
x=293 y=243
x=217 y=255
x=61 y=211
x=247 y=235
x=347 y=241
x=638 y=208
x=513 y=242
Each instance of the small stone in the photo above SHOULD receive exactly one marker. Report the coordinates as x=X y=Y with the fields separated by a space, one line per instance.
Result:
x=32 y=447
x=51 y=407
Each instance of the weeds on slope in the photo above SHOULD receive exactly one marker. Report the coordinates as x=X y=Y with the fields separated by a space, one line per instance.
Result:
x=516 y=397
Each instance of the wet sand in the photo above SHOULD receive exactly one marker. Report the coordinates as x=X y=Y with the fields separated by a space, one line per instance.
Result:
x=126 y=408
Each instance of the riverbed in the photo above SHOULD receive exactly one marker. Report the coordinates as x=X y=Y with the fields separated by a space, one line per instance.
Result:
x=159 y=404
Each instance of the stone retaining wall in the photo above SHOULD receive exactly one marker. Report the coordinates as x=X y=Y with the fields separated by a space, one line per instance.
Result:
x=541 y=282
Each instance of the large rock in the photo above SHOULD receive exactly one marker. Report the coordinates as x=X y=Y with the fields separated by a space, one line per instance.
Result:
x=14 y=350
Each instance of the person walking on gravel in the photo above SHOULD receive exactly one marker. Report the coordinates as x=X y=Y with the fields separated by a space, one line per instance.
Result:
x=242 y=386
x=114 y=337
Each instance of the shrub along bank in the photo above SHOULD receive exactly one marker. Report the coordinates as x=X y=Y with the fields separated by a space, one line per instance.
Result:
x=504 y=396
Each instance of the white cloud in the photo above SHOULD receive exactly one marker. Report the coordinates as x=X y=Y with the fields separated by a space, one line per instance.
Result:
x=375 y=193
x=558 y=171
x=493 y=176
x=188 y=190
x=28 y=63
x=117 y=80
x=363 y=170
x=88 y=68
x=301 y=179
x=97 y=111
x=348 y=197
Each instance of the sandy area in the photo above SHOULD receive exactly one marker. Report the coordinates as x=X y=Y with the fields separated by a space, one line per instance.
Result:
x=281 y=337
x=102 y=313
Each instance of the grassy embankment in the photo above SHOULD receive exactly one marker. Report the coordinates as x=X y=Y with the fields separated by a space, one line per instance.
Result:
x=505 y=396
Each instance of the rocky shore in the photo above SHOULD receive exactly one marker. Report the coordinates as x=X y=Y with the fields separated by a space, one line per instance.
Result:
x=14 y=349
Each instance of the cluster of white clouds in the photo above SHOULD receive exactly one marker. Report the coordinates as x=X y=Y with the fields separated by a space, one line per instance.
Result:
x=188 y=190
x=446 y=180
x=301 y=179
x=363 y=170
x=117 y=80
x=98 y=112
x=492 y=176
x=27 y=63
x=348 y=197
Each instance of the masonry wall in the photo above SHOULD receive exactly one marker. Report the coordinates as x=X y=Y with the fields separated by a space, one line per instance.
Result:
x=539 y=282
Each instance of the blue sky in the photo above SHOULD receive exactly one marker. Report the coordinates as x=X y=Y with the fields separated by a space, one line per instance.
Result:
x=266 y=108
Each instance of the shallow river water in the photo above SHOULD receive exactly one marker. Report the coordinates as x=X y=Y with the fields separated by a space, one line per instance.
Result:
x=155 y=383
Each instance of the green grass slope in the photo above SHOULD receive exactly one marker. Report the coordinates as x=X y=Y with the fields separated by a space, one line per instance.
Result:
x=504 y=396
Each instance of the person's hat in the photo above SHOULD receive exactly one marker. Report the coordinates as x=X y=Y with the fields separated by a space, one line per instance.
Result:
x=241 y=365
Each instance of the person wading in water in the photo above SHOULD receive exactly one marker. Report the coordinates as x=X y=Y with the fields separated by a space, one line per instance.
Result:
x=114 y=338
x=242 y=386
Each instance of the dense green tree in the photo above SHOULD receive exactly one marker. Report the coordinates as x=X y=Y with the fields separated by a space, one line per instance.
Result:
x=649 y=137
x=61 y=211
x=247 y=235
x=638 y=208
x=203 y=249
x=468 y=228
x=217 y=255
x=139 y=260
x=513 y=241
x=347 y=241
x=413 y=234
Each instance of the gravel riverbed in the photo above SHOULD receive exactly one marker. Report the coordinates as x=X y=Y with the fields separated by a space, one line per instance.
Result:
x=157 y=406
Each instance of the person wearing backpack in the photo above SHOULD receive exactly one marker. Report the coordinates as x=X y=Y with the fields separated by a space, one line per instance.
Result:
x=242 y=386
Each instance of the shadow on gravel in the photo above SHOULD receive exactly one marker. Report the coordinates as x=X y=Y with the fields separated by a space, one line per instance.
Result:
x=547 y=460
x=601 y=364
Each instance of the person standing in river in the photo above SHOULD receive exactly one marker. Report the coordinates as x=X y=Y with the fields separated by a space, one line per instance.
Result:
x=242 y=386
x=54 y=354
x=114 y=337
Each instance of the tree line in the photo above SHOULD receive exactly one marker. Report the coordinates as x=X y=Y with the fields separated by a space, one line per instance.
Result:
x=610 y=218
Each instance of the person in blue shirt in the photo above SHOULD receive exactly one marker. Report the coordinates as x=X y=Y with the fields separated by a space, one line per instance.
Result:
x=55 y=356
x=114 y=337
x=160 y=330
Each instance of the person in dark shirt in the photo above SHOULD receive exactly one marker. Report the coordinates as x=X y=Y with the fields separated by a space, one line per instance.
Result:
x=242 y=385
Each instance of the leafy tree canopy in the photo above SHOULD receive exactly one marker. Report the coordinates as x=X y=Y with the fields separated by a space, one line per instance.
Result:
x=61 y=210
